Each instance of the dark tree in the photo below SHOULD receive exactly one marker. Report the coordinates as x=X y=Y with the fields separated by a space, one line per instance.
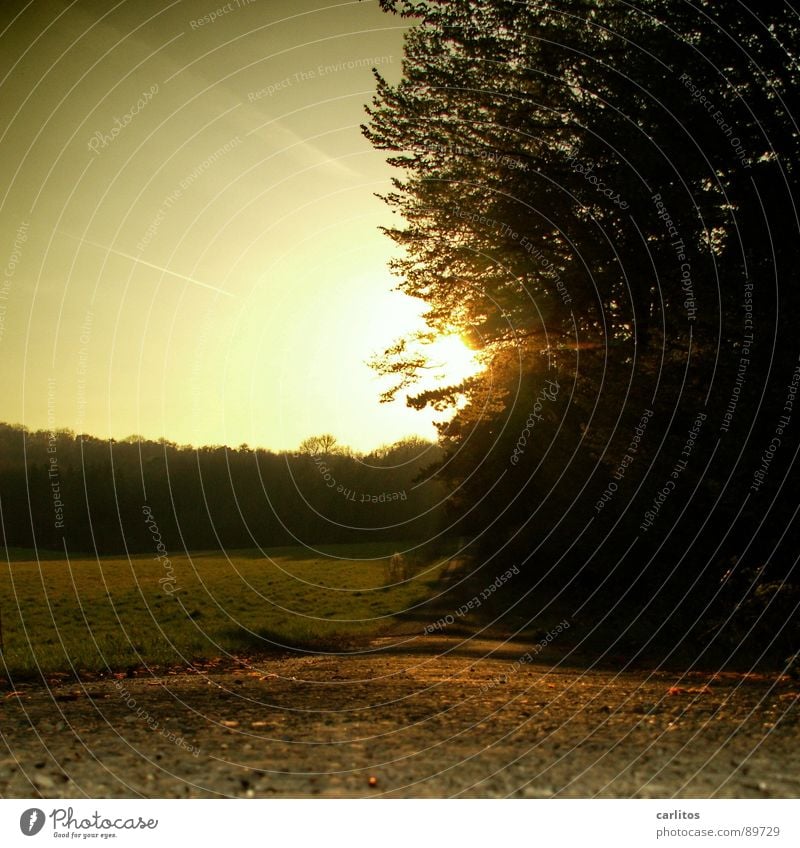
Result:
x=602 y=196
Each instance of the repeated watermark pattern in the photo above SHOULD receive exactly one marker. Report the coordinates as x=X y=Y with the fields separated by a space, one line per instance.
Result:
x=168 y=582
x=152 y=722
x=101 y=140
x=221 y=12
x=309 y=74
x=678 y=245
x=744 y=358
x=717 y=116
x=53 y=474
x=585 y=170
x=785 y=418
x=626 y=461
x=680 y=466
x=526 y=658
x=186 y=182
x=353 y=494
x=503 y=160
x=475 y=603
x=10 y=270
x=548 y=393
x=550 y=270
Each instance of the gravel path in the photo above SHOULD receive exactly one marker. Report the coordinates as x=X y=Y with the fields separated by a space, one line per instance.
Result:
x=431 y=717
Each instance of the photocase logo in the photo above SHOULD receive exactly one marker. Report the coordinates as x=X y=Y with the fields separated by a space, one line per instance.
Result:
x=31 y=821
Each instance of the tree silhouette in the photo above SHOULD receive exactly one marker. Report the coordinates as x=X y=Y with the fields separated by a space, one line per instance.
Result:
x=591 y=192
x=208 y=497
x=319 y=445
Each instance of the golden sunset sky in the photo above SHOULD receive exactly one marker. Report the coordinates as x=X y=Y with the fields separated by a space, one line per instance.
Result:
x=189 y=222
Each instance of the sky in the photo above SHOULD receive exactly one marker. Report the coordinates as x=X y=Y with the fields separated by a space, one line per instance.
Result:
x=190 y=242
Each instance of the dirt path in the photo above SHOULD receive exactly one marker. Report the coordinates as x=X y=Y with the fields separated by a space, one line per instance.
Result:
x=425 y=718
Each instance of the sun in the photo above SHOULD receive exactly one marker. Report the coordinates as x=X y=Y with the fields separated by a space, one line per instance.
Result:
x=450 y=361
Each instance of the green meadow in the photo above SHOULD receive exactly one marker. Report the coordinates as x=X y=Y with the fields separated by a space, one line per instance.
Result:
x=66 y=615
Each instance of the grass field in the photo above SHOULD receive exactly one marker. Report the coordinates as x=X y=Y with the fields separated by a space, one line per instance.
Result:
x=80 y=615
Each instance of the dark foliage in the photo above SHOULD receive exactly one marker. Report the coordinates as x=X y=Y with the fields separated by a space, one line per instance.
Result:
x=59 y=490
x=604 y=194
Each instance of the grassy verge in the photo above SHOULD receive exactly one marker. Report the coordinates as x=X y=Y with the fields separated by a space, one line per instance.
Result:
x=89 y=615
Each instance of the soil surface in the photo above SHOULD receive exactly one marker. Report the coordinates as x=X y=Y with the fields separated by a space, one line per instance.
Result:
x=434 y=717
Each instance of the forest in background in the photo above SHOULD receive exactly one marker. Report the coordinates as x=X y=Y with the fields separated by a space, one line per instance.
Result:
x=94 y=496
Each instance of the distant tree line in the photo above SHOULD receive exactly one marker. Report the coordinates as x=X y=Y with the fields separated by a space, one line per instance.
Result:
x=603 y=198
x=62 y=490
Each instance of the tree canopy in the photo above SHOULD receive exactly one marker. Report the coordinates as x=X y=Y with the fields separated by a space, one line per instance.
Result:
x=601 y=197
